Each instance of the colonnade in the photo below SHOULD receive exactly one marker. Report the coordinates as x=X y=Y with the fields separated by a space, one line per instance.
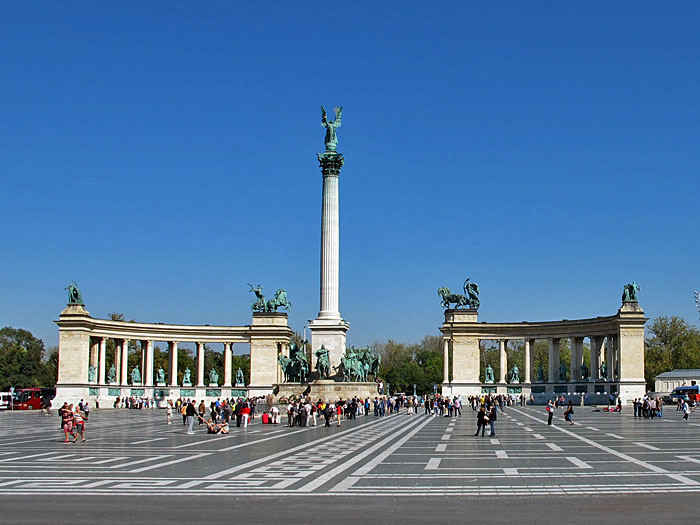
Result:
x=617 y=340
x=98 y=360
x=602 y=349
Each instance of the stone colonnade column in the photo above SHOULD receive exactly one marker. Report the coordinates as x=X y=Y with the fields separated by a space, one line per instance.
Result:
x=200 y=364
x=330 y=235
x=503 y=360
x=148 y=365
x=227 y=364
x=172 y=348
x=609 y=351
x=553 y=363
x=595 y=357
x=576 y=357
x=102 y=360
x=94 y=356
x=124 y=379
x=117 y=363
x=528 y=361
x=446 y=360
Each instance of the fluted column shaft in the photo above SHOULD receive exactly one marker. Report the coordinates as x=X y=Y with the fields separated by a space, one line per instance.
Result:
x=102 y=361
x=503 y=361
x=227 y=364
x=528 y=361
x=200 y=364
x=125 y=362
x=330 y=248
x=173 y=363
x=446 y=360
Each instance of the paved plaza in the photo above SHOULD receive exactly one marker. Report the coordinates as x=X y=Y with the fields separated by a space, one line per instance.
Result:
x=133 y=453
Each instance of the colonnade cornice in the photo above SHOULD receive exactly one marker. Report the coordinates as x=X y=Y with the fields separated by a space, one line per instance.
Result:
x=167 y=332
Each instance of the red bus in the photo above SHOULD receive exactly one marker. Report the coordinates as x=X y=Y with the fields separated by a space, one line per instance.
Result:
x=31 y=398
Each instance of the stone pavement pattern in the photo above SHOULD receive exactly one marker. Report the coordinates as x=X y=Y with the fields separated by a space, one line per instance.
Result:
x=135 y=452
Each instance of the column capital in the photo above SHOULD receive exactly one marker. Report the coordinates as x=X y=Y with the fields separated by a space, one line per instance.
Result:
x=330 y=163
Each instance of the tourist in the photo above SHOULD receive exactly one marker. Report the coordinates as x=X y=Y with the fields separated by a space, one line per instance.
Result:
x=202 y=409
x=190 y=413
x=569 y=413
x=339 y=410
x=458 y=406
x=686 y=411
x=481 y=420
x=275 y=415
x=66 y=413
x=183 y=412
x=550 y=412
x=60 y=414
x=79 y=425
x=492 y=420
x=169 y=412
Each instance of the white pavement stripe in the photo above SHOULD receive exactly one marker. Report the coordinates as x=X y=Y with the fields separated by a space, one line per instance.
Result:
x=172 y=462
x=147 y=441
x=495 y=441
x=446 y=437
x=614 y=452
x=510 y=471
x=538 y=436
x=554 y=447
x=650 y=447
x=527 y=429
x=324 y=478
x=433 y=464
x=441 y=447
x=153 y=458
x=578 y=462
x=614 y=436
x=22 y=458
x=594 y=429
x=502 y=454
x=449 y=429
x=376 y=460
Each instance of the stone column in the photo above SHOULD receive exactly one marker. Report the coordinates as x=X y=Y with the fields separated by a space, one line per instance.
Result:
x=329 y=329
x=553 y=364
x=503 y=360
x=94 y=355
x=148 y=365
x=446 y=360
x=200 y=364
x=125 y=362
x=102 y=361
x=576 y=357
x=227 y=364
x=609 y=352
x=528 y=361
x=595 y=357
x=117 y=363
x=172 y=348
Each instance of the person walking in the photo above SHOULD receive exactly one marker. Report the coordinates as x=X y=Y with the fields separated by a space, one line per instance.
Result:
x=481 y=420
x=190 y=413
x=79 y=424
x=67 y=421
x=569 y=413
x=550 y=412
x=492 y=420
x=686 y=412
x=169 y=412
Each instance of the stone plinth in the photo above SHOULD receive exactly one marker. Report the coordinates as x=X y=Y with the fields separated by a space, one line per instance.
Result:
x=331 y=334
x=328 y=390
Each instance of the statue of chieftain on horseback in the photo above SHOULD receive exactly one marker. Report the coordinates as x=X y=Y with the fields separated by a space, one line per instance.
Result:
x=470 y=299
x=279 y=301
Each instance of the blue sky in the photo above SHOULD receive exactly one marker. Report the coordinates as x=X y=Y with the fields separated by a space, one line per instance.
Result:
x=164 y=155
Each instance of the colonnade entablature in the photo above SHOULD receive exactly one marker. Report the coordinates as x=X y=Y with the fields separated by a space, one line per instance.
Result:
x=84 y=373
x=614 y=350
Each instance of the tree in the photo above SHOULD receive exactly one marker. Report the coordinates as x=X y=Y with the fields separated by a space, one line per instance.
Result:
x=21 y=360
x=672 y=344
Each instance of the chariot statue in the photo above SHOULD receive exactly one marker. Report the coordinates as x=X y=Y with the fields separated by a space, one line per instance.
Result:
x=279 y=300
x=470 y=299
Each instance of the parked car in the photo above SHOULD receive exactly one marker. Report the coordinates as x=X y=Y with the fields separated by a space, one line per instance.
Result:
x=5 y=400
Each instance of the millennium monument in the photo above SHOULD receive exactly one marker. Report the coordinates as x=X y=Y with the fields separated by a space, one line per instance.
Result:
x=328 y=330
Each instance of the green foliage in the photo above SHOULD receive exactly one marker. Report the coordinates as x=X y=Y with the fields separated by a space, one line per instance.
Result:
x=405 y=365
x=672 y=343
x=21 y=364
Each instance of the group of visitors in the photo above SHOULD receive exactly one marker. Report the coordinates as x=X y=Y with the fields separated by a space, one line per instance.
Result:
x=221 y=413
x=134 y=402
x=73 y=420
x=648 y=408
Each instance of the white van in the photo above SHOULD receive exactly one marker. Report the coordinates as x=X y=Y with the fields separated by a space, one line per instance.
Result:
x=5 y=400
